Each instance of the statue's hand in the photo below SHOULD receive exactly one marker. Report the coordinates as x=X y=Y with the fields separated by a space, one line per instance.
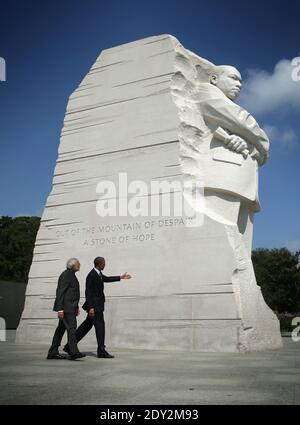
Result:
x=232 y=142
x=236 y=143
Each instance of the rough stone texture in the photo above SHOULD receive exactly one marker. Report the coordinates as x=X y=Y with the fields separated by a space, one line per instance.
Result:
x=193 y=289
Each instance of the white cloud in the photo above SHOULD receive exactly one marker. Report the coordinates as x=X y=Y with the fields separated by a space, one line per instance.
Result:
x=266 y=92
x=286 y=138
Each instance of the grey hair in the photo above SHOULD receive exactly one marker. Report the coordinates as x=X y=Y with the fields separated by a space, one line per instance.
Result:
x=71 y=263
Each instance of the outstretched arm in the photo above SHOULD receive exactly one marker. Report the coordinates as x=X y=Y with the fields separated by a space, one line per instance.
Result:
x=110 y=278
x=115 y=278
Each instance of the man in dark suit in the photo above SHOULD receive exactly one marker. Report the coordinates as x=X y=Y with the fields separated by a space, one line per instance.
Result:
x=66 y=304
x=94 y=306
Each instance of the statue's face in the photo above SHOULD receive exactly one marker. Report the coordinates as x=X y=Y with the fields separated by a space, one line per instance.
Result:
x=228 y=80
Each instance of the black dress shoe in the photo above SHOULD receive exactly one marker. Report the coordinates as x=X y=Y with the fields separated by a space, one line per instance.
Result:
x=104 y=355
x=66 y=350
x=76 y=356
x=55 y=357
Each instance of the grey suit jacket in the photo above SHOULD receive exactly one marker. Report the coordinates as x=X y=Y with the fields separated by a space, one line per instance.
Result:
x=67 y=292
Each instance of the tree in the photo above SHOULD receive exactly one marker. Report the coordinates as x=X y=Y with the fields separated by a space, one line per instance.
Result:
x=17 y=238
x=278 y=274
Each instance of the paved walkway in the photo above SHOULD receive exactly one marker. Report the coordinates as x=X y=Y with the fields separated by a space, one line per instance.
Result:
x=150 y=377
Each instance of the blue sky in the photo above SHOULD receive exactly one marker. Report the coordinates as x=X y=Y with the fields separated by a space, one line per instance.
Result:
x=50 y=45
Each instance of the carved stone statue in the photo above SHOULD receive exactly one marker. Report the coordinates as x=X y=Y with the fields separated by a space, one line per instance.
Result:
x=231 y=166
x=232 y=146
x=156 y=111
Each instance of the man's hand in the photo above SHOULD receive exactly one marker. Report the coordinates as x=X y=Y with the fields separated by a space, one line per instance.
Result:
x=92 y=312
x=236 y=143
x=60 y=314
x=125 y=276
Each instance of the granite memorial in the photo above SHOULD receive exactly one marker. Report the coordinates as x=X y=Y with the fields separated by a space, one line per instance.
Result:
x=151 y=110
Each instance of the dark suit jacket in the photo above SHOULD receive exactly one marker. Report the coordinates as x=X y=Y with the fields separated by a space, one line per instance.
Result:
x=94 y=290
x=67 y=292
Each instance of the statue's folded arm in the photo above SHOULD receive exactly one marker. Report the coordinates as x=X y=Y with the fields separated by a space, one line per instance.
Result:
x=236 y=120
